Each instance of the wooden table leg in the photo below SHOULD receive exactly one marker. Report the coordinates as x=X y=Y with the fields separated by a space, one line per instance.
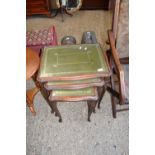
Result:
x=57 y=113
x=30 y=97
x=45 y=93
x=91 y=108
x=101 y=92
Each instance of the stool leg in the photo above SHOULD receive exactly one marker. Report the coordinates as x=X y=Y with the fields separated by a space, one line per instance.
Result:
x=91 y=108
x=30 y=97
x=55 y=108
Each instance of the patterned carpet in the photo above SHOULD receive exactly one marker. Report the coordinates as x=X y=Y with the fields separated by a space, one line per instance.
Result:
x=75 y=136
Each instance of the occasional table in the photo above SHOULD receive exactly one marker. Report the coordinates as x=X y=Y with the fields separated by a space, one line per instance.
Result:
x=32 y=65
x=73 y=73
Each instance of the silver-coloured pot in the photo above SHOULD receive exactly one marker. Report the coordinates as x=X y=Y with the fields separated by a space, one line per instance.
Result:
x=68 y=40
x=89 y=37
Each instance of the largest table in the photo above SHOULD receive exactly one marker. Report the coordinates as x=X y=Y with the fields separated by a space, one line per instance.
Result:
x=73 y=62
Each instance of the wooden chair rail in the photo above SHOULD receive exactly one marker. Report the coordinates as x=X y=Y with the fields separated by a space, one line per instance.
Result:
x=118 y=67
x=124 y=60
x=115 y=17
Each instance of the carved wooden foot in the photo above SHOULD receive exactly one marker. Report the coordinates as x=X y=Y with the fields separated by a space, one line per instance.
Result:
x=30 y=97
x=57 y=113
x=51 y=106
x=32 y=110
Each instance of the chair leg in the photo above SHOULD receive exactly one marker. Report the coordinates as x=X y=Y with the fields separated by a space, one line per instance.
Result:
x=124 y=60
x=91 y=108
x=30 y=94
x=113 y=99
x=114 y=111
x=55 y=108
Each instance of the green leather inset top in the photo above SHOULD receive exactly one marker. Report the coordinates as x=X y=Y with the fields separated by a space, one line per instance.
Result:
x=74 y=84
x=72 y=60
x=58 y=83
x=79 y=92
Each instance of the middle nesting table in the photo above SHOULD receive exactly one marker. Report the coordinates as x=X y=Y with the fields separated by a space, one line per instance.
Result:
x=73 y=73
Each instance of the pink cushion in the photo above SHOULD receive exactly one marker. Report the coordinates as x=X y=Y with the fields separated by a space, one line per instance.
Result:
x=37 y=39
